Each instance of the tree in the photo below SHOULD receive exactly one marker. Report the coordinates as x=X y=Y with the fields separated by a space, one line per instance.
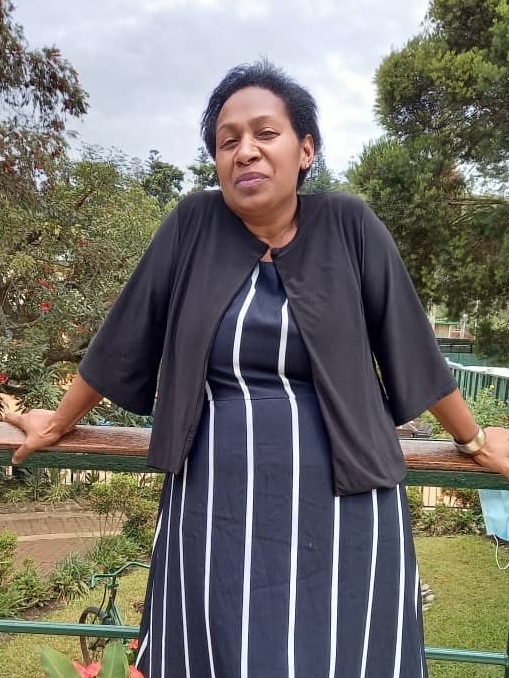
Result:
x=449 y=83
x=162 y=181
x=446 y=91
x=413 y=191
x=39 y=90
x=62 y=268
x=203 y=171
x=319 y=178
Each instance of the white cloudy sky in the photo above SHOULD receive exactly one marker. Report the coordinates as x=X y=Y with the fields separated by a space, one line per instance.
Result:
x=149 y=65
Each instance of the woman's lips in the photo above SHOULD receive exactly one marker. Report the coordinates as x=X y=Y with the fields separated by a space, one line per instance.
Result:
x=250 y=179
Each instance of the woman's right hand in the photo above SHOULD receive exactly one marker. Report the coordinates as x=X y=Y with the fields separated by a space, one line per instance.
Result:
x=41 y=429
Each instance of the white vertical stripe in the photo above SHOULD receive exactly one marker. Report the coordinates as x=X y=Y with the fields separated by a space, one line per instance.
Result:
x=158 y=529
x=246 y=592
x=369 y=610
x=416 y=602
x=182 y=578
x=165 y=586
x=416 y=590
x=151 y=634
x=295 y=490
x=399 y=628
x=141 y=651
x=208 y=539
x=334 y=601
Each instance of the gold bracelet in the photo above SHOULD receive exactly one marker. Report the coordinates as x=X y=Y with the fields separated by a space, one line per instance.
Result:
x=474 y=446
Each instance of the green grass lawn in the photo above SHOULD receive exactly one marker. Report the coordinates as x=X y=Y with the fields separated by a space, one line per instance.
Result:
x=470 y=609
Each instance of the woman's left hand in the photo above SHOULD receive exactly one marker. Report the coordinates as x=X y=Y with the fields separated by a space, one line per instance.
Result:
x=495 y=454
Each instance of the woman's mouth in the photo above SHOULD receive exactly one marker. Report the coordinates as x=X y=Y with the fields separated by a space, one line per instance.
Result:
x=250 y=179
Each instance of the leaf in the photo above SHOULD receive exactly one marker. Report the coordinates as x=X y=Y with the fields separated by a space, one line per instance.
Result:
x=57 y=665
x=114 y=664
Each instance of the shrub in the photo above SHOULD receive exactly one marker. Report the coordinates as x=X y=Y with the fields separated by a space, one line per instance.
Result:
x=8 y=542
x=414 y=497
x=70 y=578
x=113 y=551
x=445 y=520
x=16 y=495
x=140 y=523
x=32 y=589
x=10 y=602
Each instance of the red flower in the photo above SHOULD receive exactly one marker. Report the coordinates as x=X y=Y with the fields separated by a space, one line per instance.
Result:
x=3 y=378
x=133 y=644
x=90 y=671
x=45 y=306
x=134 y=673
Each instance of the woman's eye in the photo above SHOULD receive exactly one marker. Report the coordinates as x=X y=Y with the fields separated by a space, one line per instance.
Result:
x=267 y=133
x=227 y=143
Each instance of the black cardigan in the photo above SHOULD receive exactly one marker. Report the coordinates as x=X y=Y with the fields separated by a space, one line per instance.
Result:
x=351 y=298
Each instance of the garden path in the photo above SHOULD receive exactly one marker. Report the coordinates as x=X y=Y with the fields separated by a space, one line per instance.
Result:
x=49 y=536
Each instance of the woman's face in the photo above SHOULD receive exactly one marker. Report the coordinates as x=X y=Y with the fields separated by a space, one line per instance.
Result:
x=258 y=154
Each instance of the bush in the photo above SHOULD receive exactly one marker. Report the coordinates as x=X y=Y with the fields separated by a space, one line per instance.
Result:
x=8 y=542
x=139 y=525
x=445 y=520
x=28 y=583
x=16 y=495
x=10 y=602
x=113 y=551
x=70 y=578
x=414 y=497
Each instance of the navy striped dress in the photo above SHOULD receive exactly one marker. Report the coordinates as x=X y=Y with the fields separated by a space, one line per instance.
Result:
x=258 y=571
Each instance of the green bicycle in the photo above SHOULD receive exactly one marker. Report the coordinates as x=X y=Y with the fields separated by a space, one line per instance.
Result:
x=108 y=612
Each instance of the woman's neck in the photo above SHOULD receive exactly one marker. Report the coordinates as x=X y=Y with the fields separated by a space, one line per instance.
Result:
x=277 y=231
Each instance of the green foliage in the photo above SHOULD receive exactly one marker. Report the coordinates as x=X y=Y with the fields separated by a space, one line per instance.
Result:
x=203 y=171
x=39 y=91
x=446 y=520
x=56 y=665
x=8 y=542
x=140 y=522
x=15 y=495
x=33 y=590
x=487 y=410
x=162 y=181
x=319 y=179
x=70 y=578
x=10 y=602
x=111 y=552
x=414 y=498
x=445 y=92
x=114 y=664
x=411 y=189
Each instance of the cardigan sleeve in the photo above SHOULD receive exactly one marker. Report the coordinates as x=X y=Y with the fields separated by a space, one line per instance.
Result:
x=414 y=373
x=122 y=362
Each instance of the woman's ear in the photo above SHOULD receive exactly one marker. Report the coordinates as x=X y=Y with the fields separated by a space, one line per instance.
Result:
x=307 y=152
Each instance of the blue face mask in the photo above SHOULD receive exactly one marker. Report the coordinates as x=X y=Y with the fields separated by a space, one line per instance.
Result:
x=495 y=508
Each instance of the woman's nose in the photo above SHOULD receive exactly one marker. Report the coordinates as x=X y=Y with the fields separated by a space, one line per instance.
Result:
x=247 y=151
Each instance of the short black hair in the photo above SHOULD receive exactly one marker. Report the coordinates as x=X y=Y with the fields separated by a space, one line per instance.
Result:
x=299 y=103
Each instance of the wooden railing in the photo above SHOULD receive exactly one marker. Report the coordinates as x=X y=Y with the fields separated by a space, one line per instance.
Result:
x=111 y=448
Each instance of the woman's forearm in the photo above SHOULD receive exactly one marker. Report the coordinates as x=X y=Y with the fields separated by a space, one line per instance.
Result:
x=452 y=412
x=78 y=400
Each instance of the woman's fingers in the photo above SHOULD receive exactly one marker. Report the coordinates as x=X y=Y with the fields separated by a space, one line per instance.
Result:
x=39 y=433
x=21 y=454
x=14 y=419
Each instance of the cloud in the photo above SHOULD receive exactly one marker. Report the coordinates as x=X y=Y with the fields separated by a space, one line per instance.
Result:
x=149 y=65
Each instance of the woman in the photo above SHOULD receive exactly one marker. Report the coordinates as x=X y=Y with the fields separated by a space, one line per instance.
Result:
x=283 y=543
